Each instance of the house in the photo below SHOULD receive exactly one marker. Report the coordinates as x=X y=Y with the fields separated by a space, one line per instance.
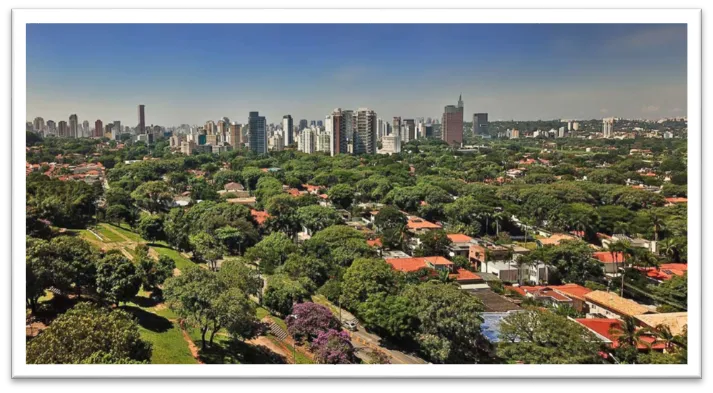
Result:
x=491 y=324
x=514 y=173
x=610 y=305
x=675 y=200
x=502 y=261
x=460 y=244
x=675 y=321
x=611 y=262
x=569 y=294
x=493 y=302
x=554 y=239
x=233 y=187
x=633 y=242
x=605 y=329
x=243 y=201
x=417 y=225
x=664 y=272
x=465 y=278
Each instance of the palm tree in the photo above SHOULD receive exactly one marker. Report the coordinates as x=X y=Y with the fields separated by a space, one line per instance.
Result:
x=621 y=227
x=663 y=335
x=667 y=247
x=498 y=219
x=628 y=333
x=658 y=223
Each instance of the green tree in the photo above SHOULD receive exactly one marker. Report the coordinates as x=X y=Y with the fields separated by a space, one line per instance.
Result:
x=154 y=273
x=433 y=243
x=341 y=195
x=541 y=337
x=117 y=279
x=271 y=252
x=89 y=334
x=389 y=218
x=236 y=273
x=236 y=240
x=154 y=196
x=316 y=217
x=364 y=278
x=208 y=249
x=151 y=227
x=282 y=292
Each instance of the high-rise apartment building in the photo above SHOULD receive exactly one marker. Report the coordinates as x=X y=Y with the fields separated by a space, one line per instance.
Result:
x=514 y=134
x=307 y=141
x=575 y=126
x=365 y=132
x=303 y=124
x=51 y=127
x=63 y=129
x=408 y=130
x=73 y=126
x=452 y=127
x=480 y=124
x=38 y=124
x=288 y=129
x=338 y=126
x=258 y=133
x=608 y=127
x=85 y=128
x=276 y=142
x=396 y=125
x=142 y=119
x=210 y=127
x=98 y=129
x=390 y=144
x=323 y=142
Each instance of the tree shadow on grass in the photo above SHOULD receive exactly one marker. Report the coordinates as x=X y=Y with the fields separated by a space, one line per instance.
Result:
x=145 y=302
x=149 y=321
x=239 y=352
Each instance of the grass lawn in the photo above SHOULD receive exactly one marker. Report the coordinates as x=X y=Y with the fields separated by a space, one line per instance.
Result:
x=133 y=236
x=169 y=347
x=182 y=262
x=108 y=235
x=261 y=313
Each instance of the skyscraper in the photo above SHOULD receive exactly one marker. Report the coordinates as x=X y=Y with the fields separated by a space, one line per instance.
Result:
x=303 y=124
x=38 y=124
x=452 y=128
x=85 y=128
x=288 y=130
x=408 y=130
x=480 y=123
x=51 y=127
x=365 y=132
x=62 y=129
x=98 y=129
x=338 y=125
x=210 y=127
x=116 y=129
x=307 y=141
x=608 y=127
x=396 y=125
x=73 y=126
x=235 y=135
x=142 y=120
x=258 y=133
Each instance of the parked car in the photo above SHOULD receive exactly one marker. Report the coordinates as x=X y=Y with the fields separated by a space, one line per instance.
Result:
x=350 y=324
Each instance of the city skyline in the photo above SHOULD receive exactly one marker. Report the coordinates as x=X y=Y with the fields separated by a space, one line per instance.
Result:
x=194 y=73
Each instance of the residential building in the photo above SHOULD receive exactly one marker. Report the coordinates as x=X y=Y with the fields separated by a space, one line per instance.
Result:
x=323 y=142
x=142 y=119
x=276 y=142
x=209 y=127
x=417 y=225
x=452 y=128
x=435 y=265
x=235 y=136
x=116 y=130
x=51 y=127
x=98 y=129
x=608 y=127
x=396 y=126
x=514 y=134
x=188 y=147
x=390 y=144
x=460 y=244
x=258 y=133
x=38 y=125
x=605 y=329
x=674 y=321
x=567 y=294
x=288 y=130
x=408 y=131
x=338 y=126
x=610 y=305
x=307 y=141
x=73 y=126
x=303 y=124
x=365 y=132
x=480 y=123
x=611 y=262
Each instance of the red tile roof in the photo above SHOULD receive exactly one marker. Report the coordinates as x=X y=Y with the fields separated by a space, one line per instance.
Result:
x=374 y=242
x=294 y=192
x=573 y=290
x=603 y=327
x=665 y=271
x=465 y=275
x=541 y=291
x=419 y=223
x=459 y=238
x=607 y=257
x=413 y=264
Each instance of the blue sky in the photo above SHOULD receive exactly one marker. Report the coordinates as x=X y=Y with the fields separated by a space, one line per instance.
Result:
x=191 y=73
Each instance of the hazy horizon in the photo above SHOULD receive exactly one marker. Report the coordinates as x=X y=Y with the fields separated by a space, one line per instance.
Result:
x=192 y=73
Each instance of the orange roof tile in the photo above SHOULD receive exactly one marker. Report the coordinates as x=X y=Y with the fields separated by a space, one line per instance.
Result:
x=459 y=238
x=677 y=200
x=607 y=257
x=419 y=223
x=604 y=326
x=259 y=216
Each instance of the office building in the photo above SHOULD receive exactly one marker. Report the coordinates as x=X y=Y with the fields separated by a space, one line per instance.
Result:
x=235 y=136
x=396 y=125
x=480 y=124
x=142 y=119
x=365 y=131
x=608 y=127
x=258 y=133
x=73 y=126
x=85 y=128
x=288 y=130
x=452 y=127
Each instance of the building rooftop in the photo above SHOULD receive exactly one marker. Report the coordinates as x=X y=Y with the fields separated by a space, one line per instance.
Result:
x=419 y=223
x=615 y=303
x=494 y=302
x=673 y=320
x=608 y=257
x=606 y=329
x=460 y=238
x=414 y=264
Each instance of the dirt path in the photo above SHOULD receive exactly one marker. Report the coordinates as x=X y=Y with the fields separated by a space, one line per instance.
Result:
x=266 y=342
x=191 y=345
